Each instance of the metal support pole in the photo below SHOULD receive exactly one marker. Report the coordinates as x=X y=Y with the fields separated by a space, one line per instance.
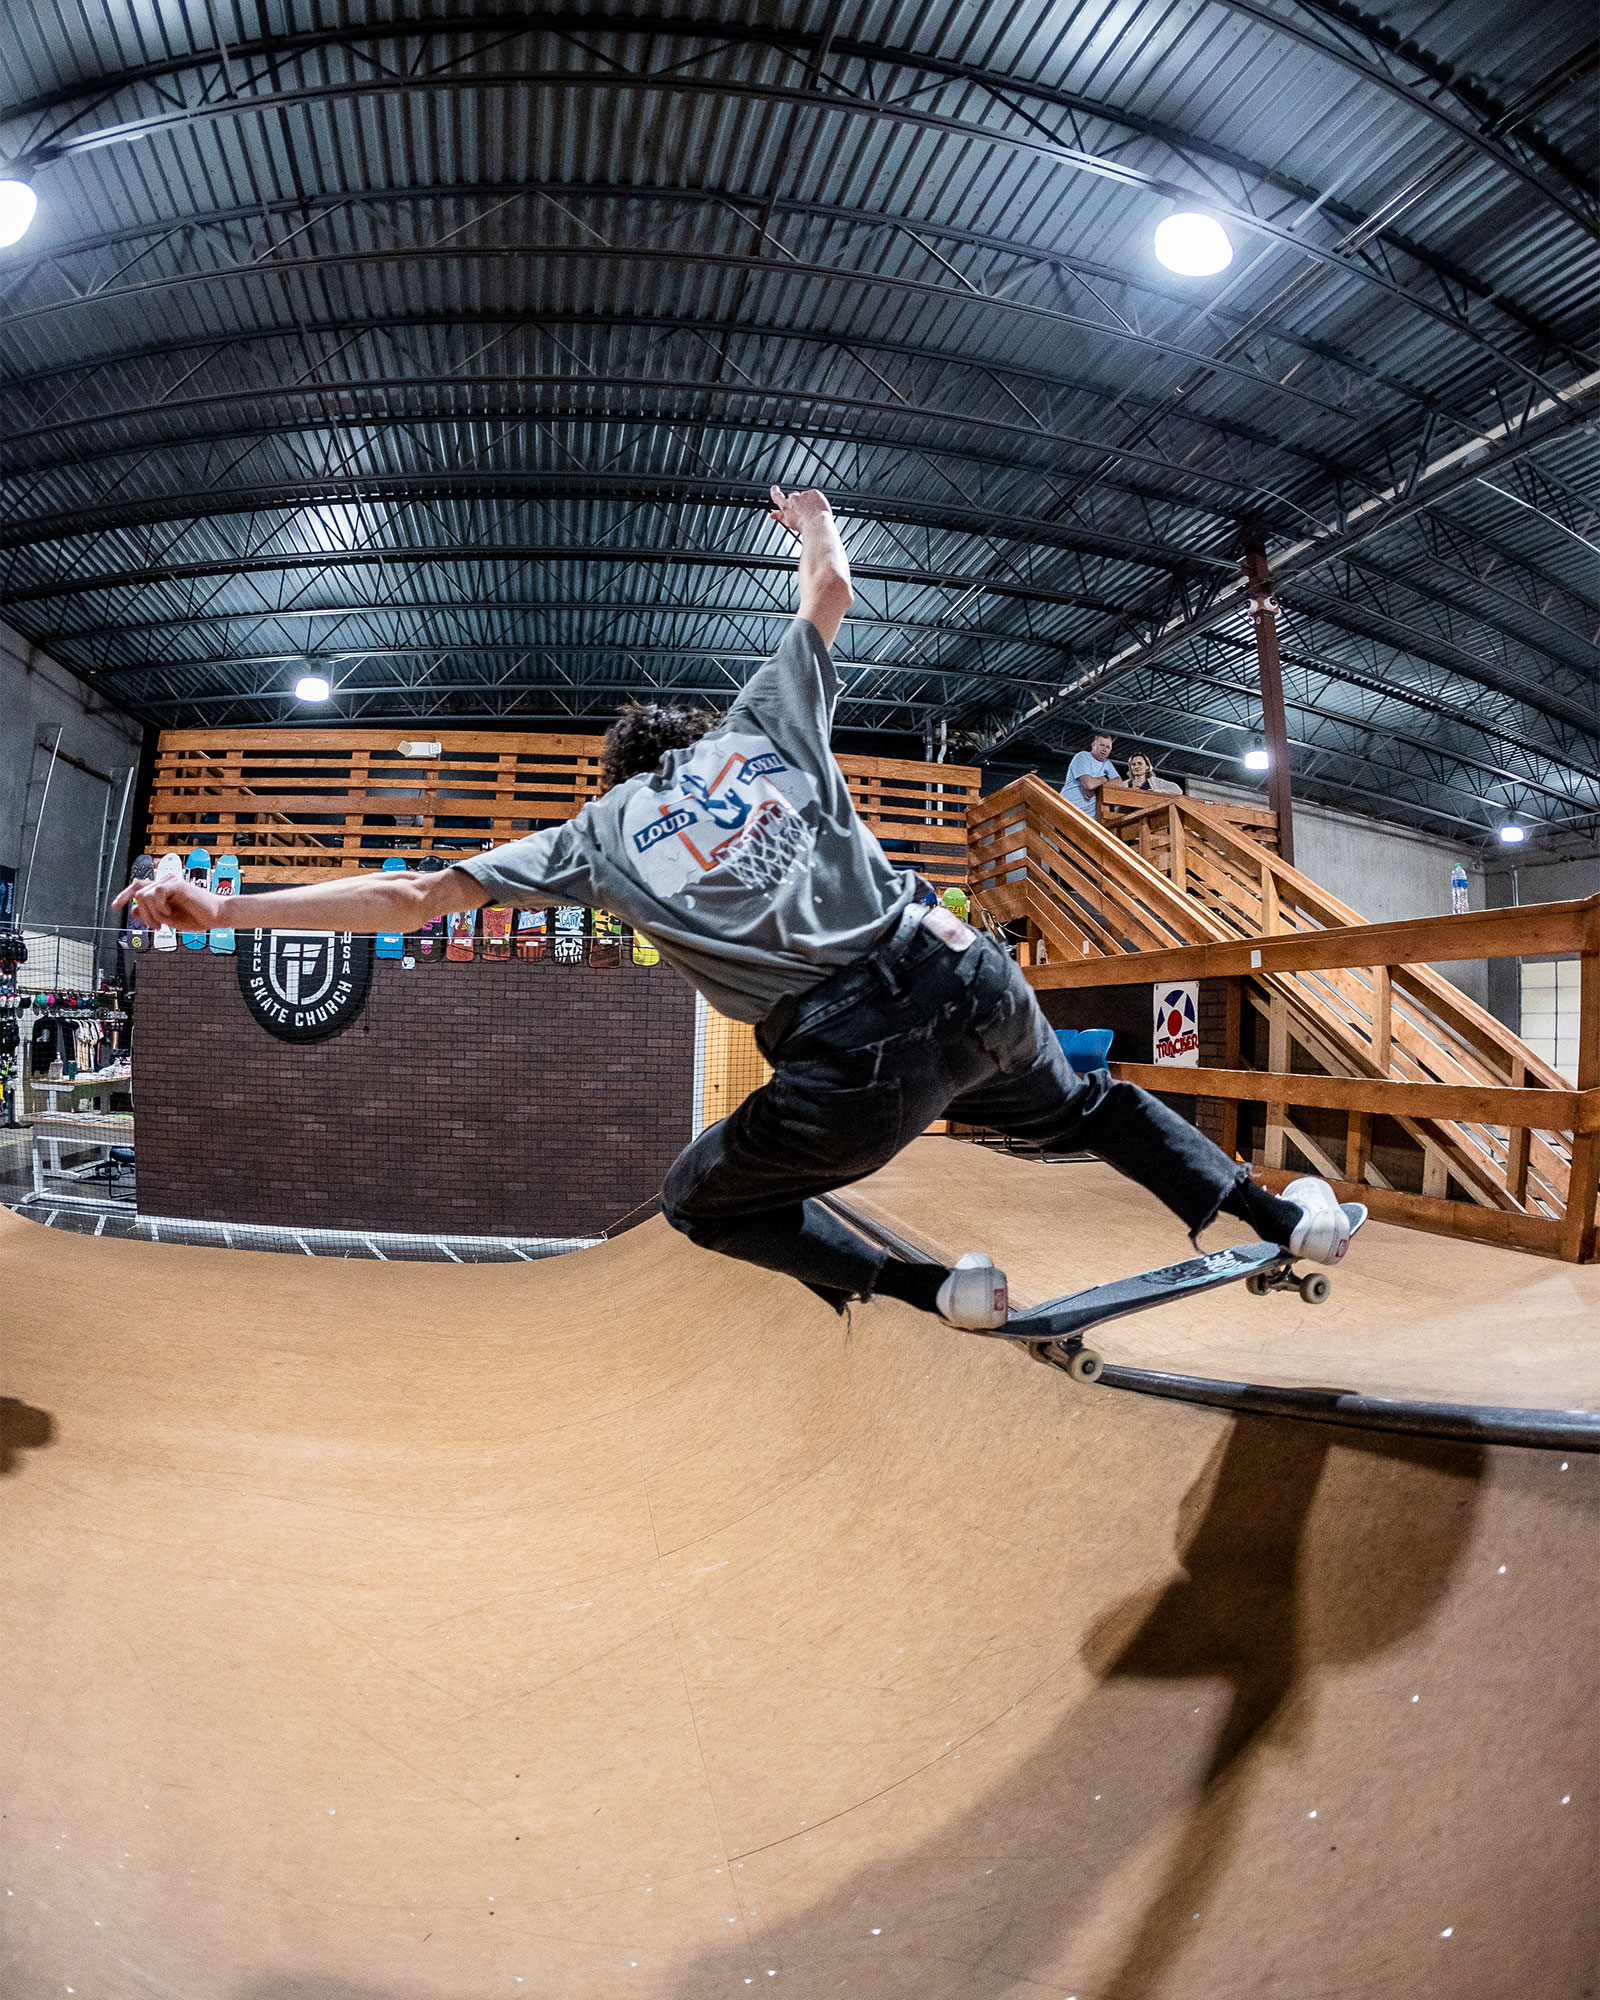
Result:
x=1264 y=616
x=38 y=825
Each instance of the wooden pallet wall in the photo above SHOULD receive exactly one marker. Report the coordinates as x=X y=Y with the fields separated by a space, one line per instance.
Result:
x=299 y=805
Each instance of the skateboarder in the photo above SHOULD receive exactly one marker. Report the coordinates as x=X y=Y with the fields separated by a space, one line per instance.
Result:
x=734 y=845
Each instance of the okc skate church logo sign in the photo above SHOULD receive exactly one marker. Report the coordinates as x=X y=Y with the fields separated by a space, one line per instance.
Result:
x=303 y=986
x=1178 y=1025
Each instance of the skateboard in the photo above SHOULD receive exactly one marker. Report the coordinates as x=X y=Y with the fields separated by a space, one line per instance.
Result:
x=391 y=944
x=531 y=926
x=605 y=947
x=224 y=882
x=430 y=939
x=197 y=869
x=1053 y=1332
x=461 y=926
x=497 y=931
x=136 y=933
x=569 y=941
x=168 y=869
x=644 y=952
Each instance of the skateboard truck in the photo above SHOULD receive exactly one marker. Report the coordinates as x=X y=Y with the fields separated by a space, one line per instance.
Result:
x=1085 y=1364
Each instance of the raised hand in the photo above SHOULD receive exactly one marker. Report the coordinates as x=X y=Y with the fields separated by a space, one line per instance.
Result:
x=794 y=510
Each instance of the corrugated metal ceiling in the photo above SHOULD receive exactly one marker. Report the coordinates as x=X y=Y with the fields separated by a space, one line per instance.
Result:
x=455 y=351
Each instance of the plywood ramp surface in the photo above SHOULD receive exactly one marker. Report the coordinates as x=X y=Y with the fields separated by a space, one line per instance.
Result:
x=629 y=1625
x=1411 y=1317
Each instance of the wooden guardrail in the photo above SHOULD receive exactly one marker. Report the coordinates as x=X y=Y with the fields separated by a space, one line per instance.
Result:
x=1355 y=1018
x=299 y=805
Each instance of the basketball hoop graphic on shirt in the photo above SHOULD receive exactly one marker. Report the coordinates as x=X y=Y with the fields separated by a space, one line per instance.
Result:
x=763 y=838
x=730 y=812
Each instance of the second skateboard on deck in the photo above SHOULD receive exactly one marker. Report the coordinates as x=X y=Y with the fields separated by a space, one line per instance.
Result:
x=1053 y=1332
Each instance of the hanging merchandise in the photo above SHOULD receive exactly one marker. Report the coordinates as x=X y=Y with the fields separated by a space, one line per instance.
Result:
x=531 y=925
x=497 y=931
x=569 y=940
x=225 y=882
x=644 y=952
x=391 y=944
x=168 y=869
x=605 y=948
x=197 y=873
x=462 y=924
x=428 y=942
x=136 y=934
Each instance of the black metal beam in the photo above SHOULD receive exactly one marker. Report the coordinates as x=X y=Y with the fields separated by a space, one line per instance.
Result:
x=291 y=495
x=811 y=49
x=1448 y=312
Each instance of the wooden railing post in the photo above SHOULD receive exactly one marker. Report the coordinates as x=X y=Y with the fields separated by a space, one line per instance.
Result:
x=1178 y=860
x=1232 y=1034
x=1583 y=1177
x=1518 y=1147
x=1357 y=1147
x=1270 y=921
x=1382 y=1018
x=1278 y=1063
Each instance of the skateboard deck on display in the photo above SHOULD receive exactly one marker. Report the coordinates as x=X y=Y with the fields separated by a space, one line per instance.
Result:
x=644 y=952
x=531 y=929
x=497 y=931
x=197 y=869
x=391 y=944
x=168 y=869
x=605 y=947
x=429 y=941
x=567 y=938
x=461 y=927
x=136 y=933
x=224 y=882
x=1054 y=1331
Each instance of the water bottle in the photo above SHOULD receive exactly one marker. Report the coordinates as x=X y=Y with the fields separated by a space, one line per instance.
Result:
x=1458 y=891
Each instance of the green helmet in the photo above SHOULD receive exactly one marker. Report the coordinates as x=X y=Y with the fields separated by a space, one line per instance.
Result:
x=956 y=899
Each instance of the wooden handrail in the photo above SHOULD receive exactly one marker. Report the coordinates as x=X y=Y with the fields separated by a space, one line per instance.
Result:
x=1476 y=1104
x=1531 y=930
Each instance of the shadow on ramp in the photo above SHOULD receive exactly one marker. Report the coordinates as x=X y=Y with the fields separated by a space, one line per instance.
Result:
x=1275 y=1589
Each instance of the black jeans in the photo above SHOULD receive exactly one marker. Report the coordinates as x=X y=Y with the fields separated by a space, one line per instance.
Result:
x=866 y=1061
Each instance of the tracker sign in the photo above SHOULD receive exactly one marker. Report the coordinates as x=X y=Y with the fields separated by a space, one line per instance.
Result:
x=1177 y=1025
x=303 y=986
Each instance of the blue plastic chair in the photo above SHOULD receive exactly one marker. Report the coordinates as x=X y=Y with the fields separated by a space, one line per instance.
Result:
x=1085 y=1048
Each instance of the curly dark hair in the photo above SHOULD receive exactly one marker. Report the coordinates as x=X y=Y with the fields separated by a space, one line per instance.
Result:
x=644 y=732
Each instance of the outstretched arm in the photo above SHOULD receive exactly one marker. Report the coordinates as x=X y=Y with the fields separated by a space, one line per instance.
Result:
x=392 y=902
x=825 y=593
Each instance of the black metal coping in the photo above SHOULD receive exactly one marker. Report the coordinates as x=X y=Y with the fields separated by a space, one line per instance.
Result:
x=1542 y=1430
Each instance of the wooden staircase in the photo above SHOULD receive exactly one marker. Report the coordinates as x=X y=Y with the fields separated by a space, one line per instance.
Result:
x=1176 y=872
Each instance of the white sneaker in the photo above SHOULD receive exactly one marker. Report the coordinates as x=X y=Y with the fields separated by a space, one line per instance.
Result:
x=974 y=1296
x=1322 y=1235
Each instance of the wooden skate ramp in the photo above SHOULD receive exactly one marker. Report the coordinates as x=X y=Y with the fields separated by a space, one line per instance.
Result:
x=630 y=1625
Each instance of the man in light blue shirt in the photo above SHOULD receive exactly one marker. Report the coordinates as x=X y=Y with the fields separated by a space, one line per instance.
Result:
x=1086 y=773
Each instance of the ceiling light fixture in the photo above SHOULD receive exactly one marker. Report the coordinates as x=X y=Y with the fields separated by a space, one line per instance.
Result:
x=1513 y=836
x=311 y=687
x=1257 y=758
x=17 y=204
x=1195 y=246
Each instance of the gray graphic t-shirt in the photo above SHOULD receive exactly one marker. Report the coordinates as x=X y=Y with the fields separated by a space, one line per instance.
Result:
x=741 y=858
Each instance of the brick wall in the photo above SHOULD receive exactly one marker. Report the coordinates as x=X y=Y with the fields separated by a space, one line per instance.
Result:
x=477 y=1100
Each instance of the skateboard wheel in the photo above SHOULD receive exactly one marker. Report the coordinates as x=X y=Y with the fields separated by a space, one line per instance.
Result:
x=1314 y=1288
x=1086 y=1365
x=1256 y=1285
